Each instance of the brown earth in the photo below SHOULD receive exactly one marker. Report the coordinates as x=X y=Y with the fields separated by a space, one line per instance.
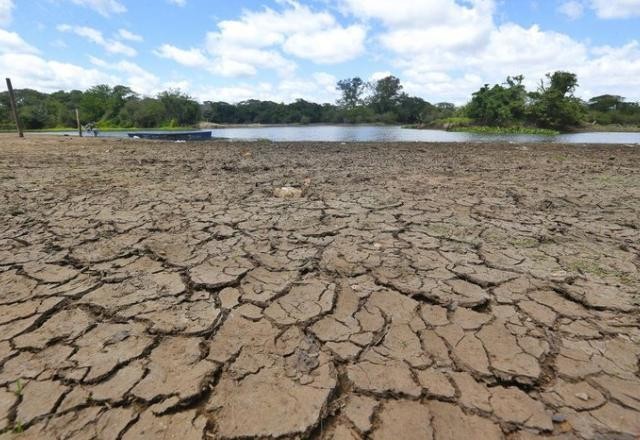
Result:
x=396 y=291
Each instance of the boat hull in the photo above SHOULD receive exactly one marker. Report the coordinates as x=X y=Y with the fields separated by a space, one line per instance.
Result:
x=173 y=136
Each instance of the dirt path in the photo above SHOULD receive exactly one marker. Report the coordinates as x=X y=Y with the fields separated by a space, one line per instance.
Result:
x=160 y=290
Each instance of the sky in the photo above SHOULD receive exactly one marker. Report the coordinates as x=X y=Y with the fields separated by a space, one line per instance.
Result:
x=282 y=50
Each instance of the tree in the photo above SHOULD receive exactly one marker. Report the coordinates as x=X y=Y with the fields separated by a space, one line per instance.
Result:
x=553 y=104
x=500 y=105
x=95 y=103
x=386 y=93
x=143 y=113
x=351 y=90
x=220 y=112
x=409 y=109
x=180 y=109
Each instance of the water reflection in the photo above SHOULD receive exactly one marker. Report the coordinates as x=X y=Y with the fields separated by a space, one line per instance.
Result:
x=372 y=133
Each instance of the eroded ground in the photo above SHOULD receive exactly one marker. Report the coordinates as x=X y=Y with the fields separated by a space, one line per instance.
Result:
x=152 y=290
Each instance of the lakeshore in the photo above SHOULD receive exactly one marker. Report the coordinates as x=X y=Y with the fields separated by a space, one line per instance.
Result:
x=318 y=290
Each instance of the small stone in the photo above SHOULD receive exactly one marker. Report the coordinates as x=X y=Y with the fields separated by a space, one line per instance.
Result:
x=287 y=192
x=558 y=418
x=582 y=396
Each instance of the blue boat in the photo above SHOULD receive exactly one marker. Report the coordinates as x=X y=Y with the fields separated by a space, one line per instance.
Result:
x=172 y=135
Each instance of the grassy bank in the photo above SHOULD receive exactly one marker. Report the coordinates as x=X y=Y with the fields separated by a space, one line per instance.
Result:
x=467 y=125
x=506 y=130
x=102 y=130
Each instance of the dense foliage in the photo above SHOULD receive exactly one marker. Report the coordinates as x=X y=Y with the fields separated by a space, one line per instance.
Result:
x=552 y=106
x=508 y=105
x=107 y=106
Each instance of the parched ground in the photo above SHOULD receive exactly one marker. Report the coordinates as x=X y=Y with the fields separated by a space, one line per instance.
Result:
x=427 y=291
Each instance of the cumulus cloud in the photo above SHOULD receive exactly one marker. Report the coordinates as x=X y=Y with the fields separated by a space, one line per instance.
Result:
x=11 y=42
x=446 y=49
x=36 y=72
x=132 y=75
x=320 y=87
x=96 y=37
x=129 y=36
x=187 y=57
x=572 y=9
x=611 y=9
x=6 y=8
x=103 y=7
x=260 y=39
x=320 y=47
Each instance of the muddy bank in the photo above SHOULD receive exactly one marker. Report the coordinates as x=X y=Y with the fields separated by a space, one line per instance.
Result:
x=154 y=289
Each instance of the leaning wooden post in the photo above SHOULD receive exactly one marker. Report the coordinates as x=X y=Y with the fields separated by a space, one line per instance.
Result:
x=14 y=107
x=78 y=121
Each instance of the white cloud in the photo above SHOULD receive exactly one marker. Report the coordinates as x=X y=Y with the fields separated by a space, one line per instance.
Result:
x=572 y=9
x=320 y=47
x=132 y=75
x=32 y=71
x=190 y=58
x=376 y=76
x=319 y=88
x=420 y=13
x=258 y=40
x=103 y=7
x=610 y=9
x=180 y=3
x=11 y=42
x=95 y=36
x=446 y=49
x=6 y=7
x=129 y=36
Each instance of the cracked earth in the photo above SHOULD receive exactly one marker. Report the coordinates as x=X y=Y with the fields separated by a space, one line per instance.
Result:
x=385 y=291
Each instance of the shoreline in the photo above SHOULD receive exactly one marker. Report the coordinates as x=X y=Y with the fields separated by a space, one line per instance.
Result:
x=205 y=126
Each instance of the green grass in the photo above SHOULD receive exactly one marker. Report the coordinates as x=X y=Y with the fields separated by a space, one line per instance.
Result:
x=591 y=267
x=506 y=130
x=102 y=130
x=19 y=388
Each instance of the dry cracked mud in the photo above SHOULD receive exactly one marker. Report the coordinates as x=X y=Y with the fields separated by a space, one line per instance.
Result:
x=391 y=291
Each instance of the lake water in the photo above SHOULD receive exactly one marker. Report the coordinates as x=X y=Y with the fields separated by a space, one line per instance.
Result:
x=374 y=133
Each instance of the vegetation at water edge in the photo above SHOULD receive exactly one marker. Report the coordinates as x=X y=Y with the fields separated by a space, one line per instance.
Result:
x=499 y=108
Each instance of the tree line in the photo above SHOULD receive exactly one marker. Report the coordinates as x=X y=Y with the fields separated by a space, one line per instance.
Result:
x=552 y=105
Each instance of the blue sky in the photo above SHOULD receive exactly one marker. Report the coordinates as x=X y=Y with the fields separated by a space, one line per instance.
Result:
x=442 y=50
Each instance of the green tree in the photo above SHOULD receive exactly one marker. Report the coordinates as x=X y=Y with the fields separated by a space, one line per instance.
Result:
x=143 y=113
x=410 y=108
x=500 y=105
x=351 y=90
x=553 y=105
x=386 y=94
x=95 y=103
x=181 y=109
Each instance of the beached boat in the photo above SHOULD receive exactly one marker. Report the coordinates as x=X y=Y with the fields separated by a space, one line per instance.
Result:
x=172 y=135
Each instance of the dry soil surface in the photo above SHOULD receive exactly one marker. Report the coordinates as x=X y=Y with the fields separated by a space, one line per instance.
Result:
x=396 y=291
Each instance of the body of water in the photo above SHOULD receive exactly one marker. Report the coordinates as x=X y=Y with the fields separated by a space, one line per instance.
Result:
x=376 y=133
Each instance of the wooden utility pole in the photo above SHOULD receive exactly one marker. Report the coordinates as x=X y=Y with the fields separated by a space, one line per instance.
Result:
x=78 y=121
x=14 y=107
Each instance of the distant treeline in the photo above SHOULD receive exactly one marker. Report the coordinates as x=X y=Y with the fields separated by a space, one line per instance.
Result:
x=553 y=105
